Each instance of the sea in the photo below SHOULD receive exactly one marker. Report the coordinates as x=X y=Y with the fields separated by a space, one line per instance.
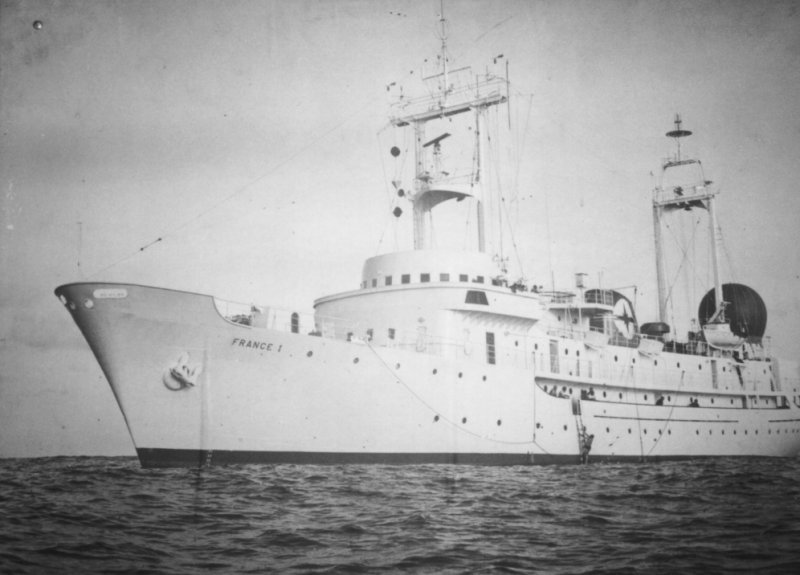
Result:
x=108 y=515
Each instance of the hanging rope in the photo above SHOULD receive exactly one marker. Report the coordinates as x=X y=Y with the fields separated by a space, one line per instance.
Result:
x=669 y=417
x=435 y=412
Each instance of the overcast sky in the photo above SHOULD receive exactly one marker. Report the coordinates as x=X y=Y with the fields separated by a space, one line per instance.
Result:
x=248 y=136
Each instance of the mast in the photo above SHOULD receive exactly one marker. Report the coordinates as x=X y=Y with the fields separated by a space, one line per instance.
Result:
x=660 y=273
x=478 y=177
x=443 y=23
x=712 y=223
x=685 y=197
x=455 y=92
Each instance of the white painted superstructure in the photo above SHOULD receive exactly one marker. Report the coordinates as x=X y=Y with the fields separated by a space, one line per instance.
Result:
x=436 y=357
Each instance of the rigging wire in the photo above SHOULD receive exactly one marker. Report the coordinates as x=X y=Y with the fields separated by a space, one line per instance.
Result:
x=684 y=260
x=669 y=415
x=274 y=168
x=455 y=424
x=629 y=369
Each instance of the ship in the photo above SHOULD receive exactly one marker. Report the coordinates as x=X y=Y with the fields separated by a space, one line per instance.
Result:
x=437 y=357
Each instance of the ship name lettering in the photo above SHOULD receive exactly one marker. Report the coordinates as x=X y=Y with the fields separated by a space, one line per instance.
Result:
x=254 y=344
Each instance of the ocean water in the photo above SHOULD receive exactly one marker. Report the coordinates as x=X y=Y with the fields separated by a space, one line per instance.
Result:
x=107 y=515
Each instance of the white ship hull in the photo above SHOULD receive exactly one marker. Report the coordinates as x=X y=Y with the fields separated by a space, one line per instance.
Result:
x=197 y=389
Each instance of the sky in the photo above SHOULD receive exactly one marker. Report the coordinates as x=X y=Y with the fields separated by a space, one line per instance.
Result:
x=240 y=149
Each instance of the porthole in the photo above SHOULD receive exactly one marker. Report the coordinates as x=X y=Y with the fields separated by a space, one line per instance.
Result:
x=578 y=353
x=565 y=427
x=645 y=431
x=355 y=360
x=620 y=395
x=734 y=432
x=660 y=432
x=436 y=418
x=633 y=360
x=608 y=430
x=629 y=431
x=709 y=432
x=655 y=362
x=669 y=432
x=723 y=432
x=604 y=394
x=669 y=398
x=570 y=391
x=460 y=374
x=566 y=352
x=697 y=432
x=616 y=358
x=309 y=354
x=435 y=371
x=397 y=366
x=536 y=346
x=484 y=378
x=756 y=432
x=679 y=364
x=463 y=420
x=699 y=366
x=712 y=400
x=645 y=397
x=499 y=422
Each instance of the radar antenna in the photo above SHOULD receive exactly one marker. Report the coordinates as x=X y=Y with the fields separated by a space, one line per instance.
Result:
x=678 y=133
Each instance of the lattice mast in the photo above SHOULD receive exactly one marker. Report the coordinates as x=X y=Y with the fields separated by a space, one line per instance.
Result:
x=684 y=198
x=448 y=99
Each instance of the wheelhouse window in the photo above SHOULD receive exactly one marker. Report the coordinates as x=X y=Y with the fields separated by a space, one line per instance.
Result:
x=424 y=278
x=374 y=282
x=405 y=278
x=444 y=277
x=478 y=280
x=477 y=297
x=387 y=280
x=463 y=277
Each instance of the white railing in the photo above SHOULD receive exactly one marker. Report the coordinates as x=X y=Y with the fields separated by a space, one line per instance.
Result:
x=562 y=366
x=358 y=332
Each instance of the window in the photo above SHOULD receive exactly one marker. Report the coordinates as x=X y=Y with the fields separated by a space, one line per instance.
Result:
x=424 y=278
x=478 y=280
x=391 y=333
x=463 y=277
x=387 y=280
x=374 y=282
x=444 y=277
x=477 y=297
x=490 y=357
x=295 y=323
x=405 y=278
